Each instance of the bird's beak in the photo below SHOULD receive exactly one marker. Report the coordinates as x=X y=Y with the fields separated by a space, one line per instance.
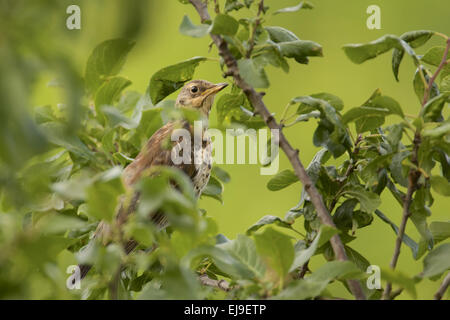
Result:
x=214 y=89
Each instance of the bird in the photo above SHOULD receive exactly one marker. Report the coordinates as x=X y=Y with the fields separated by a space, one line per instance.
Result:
x=197 y=95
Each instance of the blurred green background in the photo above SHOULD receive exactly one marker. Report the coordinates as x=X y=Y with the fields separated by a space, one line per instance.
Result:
x=332 y=23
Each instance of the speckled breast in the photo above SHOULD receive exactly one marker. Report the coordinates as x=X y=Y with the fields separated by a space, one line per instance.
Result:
x=203 y=164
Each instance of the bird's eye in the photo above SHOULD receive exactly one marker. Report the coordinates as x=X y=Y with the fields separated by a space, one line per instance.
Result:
x=194 y=89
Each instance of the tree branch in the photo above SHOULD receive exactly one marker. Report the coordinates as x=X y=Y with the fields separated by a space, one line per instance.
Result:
x=440 y=293
x=291 y=153
x=413 y=178
x=413 y=175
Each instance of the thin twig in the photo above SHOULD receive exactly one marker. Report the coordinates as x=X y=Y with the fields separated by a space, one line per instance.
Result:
x=348 y=172
x=396 y=293
x=291 y=153
x=413 y=176
x=219 y=284
x=440 y=293
x=255 y=26
x=426 y=95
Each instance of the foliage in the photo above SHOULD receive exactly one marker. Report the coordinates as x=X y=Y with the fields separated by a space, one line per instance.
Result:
x=60 y=170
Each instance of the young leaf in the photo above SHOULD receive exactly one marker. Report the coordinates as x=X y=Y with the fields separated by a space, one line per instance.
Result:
x=268 y=220
x=279 y=34
x=432 y=111
x=437 y=261
x=282 y=180
x=224 y=24
x=102 y=195
x=221 y=174
x=358 y=53
x=243 y=250
x=415 y=39
x=187 y=28
x=109 y=91
x=172 y=78
x=301 y=5
x=300 y=50
x=253 y=74
x=440 y=185
x=106 y=60
x=302 y=256
x=213 y=189
x=369 y=201
x=313 y=286
x=277 y=250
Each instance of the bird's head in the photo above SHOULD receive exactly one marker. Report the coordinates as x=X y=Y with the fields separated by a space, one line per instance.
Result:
x=199 y=95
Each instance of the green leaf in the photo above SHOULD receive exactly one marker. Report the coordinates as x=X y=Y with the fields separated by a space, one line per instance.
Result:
x=415 y=39
x=434 y=57
x=333 y=100
x=445 y=83
x=419 y=86
x=172 y=78
x=106 y=60
x=221 y=174
x=440 y=231
x=358 y=259
x=401 y=279
x=440 y=185
x=420 y=211
x=231 y=5
x=302 y=256
x=224 y=24
x=437 y=261
x=57 y=133
x=187 y=28
x=368 y=200
x=279 y=34
x=276 y=248
x=358 y=53
x=361 y=113
x=406 y=239
x=301 y=5
x=253 y=74
x=243 y=250
x=387 y=103
x=300 y=50
x=103 y=194
x=282 y=180
x=432 y=111
x=371 y=115
x=213 y=189
x=268 y=220
x=109 y=92
x=314 y=285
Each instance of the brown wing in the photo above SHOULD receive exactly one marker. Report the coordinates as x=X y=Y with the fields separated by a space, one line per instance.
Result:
x=156 y=152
